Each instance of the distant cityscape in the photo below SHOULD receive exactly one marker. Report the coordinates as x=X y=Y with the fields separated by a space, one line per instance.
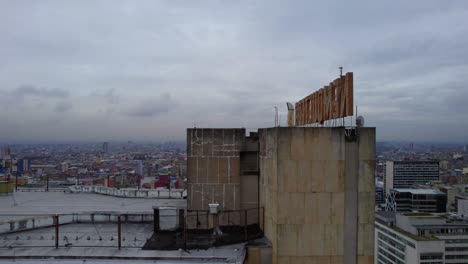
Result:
x=117 y=165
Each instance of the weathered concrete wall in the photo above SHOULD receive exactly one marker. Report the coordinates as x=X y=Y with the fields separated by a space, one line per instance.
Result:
x=303 y=184
x=213 y=167
x=249 y=170
x=249 y=191
x=258 y=255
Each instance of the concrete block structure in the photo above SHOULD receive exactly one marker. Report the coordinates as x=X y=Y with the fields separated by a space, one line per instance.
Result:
x=315 y=185
x=317 y=188
x=219 y=163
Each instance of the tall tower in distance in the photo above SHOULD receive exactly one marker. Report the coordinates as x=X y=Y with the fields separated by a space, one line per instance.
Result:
x=105 y=147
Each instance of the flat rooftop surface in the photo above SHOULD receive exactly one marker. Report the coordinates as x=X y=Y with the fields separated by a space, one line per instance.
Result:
x=418 y=191
x=91 y=261
x=24 y=203
x=80 y=235
x=97 y=243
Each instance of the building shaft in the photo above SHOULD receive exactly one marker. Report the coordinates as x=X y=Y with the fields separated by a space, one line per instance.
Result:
x=317 y=188
x=315 y=185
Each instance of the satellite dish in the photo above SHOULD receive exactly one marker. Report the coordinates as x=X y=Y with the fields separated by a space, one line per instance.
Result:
x=360 y=121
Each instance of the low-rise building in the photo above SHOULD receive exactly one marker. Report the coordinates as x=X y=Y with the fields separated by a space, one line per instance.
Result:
x=420 y=200
x=420 y=238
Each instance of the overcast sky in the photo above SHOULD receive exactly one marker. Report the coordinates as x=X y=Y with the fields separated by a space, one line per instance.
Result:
x=146 y=70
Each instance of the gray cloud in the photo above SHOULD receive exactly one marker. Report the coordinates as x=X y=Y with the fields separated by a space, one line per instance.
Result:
x=25 y=90
x=62 y=107
x=227 y=63
x=110 y=95
x=151 y=107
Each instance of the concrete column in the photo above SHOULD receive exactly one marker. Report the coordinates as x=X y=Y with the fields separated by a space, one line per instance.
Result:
x=213 y=220
x=156 y=220
x=351 y=199
x=119 y=232
x=181 y=218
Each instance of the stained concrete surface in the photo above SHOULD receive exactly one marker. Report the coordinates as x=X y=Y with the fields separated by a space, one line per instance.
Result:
x=302 y=188
x=203 y=238
x=25 y=203
x=213 y=167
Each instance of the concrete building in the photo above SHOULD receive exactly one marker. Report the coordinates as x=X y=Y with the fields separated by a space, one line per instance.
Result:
x=407 y=173
x=462 y=207
x=222 y=167
x=420 y=238
x=315 y=185
x=461 y=203
x=317 y=188
x=451 y=192
x=420 y=200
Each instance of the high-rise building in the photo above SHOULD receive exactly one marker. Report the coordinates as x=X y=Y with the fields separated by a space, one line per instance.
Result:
x=407 y=173
x=420 y=238
x=315 y=185
x=23 y=165
x=140 y=167
x=105 y=147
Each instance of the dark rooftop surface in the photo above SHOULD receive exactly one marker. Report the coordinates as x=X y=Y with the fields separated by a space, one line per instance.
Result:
x=202 y=238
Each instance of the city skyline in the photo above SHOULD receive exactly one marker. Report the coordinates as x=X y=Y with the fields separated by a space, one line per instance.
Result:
x=114 y=71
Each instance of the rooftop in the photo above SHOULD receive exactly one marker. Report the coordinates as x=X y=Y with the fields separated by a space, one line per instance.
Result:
x=98 y=244
x=417 y=191
x=413 y=236
x=94 y=236
x=58 y=202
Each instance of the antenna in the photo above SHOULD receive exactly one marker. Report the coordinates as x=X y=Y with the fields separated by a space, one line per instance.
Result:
x=276 y=115
x=356 y=115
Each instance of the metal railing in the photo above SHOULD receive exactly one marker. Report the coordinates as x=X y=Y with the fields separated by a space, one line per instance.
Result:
x=97 y=229
x=127 y=230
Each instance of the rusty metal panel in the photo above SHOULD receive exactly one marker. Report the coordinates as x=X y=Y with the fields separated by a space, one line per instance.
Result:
x=329 y=102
